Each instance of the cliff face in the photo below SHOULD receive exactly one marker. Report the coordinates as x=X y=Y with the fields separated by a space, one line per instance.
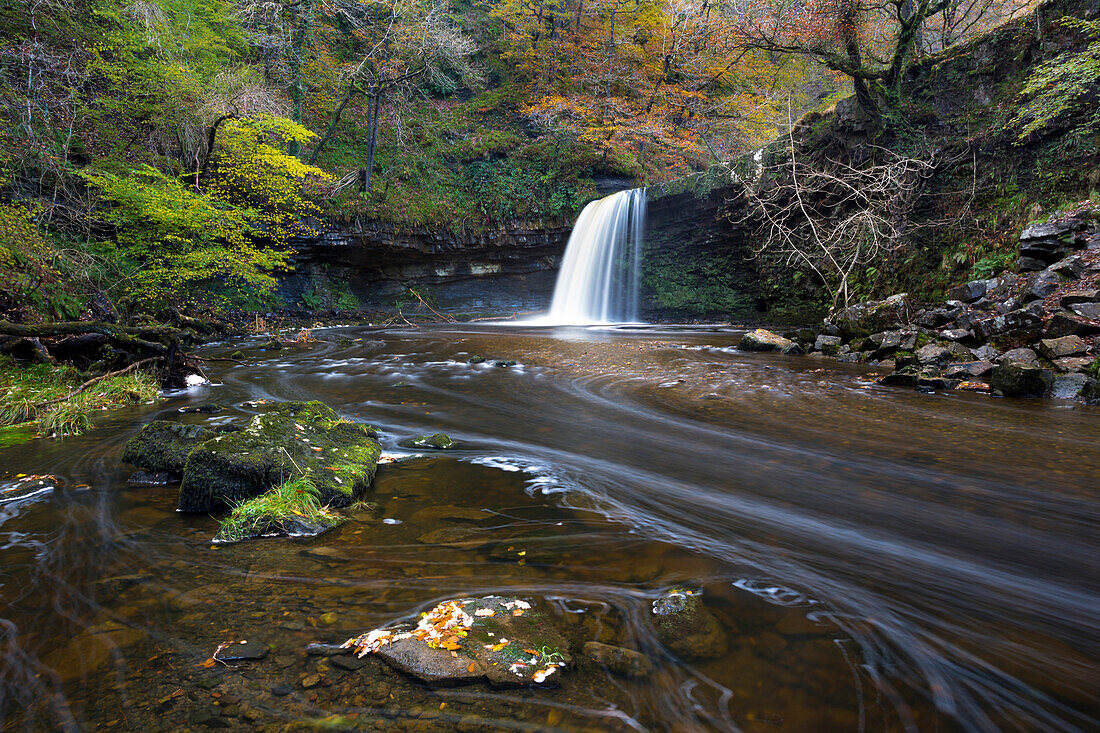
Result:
x=511 y=268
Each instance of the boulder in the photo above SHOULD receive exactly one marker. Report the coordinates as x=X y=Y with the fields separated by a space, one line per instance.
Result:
x=1073 y=363
x=686 y=627
x=968 y=370
x=1080 y=296
x=864 y=319
x=1064 y=346
x=294 y=437
x=1050 y=242
x=1090 y=311
x=1065 y=323
x=900 y=379
x=933 y=383
x=1071 y=386
x=986 y=352
x=623 y=662
x=163 y=446
x=505 y=640
x=970 y=292
x=764 y=340
x=933 y=354
x=828 y=345
x=1017 y=379
x=1071 y=267
x=1022 y=355
x=956 y=334
x=1029 y=264
x=1043 y=285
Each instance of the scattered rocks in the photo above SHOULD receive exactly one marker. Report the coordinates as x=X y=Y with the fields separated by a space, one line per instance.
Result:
x=623 y=662
x=686 y=627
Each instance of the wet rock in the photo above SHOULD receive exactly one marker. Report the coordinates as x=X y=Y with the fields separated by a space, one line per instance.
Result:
x=828 y=345
x=970 y=292
x=505 y=363
x=900 y=379
x=1022 y=355
x=340 y=456
x=1064 y=346
x=242 y=651
x=764 y=340
x=439 y=441
x=273 y=345
x=686 y=627
x=1071 y=386
x=852 y=358
x=238 y=354
x=25 y=486
x=459 y=538
x=164 y=446
x=310 y=681
x=623 y=662
x=1018 y=379
x=150 y=478
x=281 y=690
x=935 y=383
x=202 y=409
x=475 y=359
x=505 y=640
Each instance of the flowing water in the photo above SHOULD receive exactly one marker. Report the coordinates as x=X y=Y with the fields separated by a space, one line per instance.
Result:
x=878 y=559
x=600 y=272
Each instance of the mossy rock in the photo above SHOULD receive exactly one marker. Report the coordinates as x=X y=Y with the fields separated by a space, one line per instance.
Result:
x=16 y=434
x=439 y=441
x=164 y=446
x=291 y=439
x=686 y=627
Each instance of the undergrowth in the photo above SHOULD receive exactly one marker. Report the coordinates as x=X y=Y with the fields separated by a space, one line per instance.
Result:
x=27 y=395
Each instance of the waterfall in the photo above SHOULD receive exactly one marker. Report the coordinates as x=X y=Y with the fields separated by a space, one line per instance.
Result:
x=598 y=280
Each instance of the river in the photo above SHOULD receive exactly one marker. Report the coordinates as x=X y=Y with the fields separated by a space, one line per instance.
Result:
x=879 y=559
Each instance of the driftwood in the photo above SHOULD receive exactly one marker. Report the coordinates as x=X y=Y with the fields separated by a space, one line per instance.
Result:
x=82 y=341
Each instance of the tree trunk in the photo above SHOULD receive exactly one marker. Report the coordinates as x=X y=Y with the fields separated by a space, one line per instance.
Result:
x=372 y=124
x=352 y=92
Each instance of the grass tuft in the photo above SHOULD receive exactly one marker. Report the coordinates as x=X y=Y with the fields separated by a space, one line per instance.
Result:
x=292 y=507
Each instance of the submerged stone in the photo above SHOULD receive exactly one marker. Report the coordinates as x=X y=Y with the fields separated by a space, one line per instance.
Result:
x=686 y=627
x=293 y=438
x=624 y=662
x=505 y=640
x=241 y=651
x=25 y=486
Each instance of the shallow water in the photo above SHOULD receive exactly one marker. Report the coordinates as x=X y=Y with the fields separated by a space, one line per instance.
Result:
x=880 y=559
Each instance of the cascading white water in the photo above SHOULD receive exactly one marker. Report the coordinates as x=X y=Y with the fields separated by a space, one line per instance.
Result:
x=598 y=280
